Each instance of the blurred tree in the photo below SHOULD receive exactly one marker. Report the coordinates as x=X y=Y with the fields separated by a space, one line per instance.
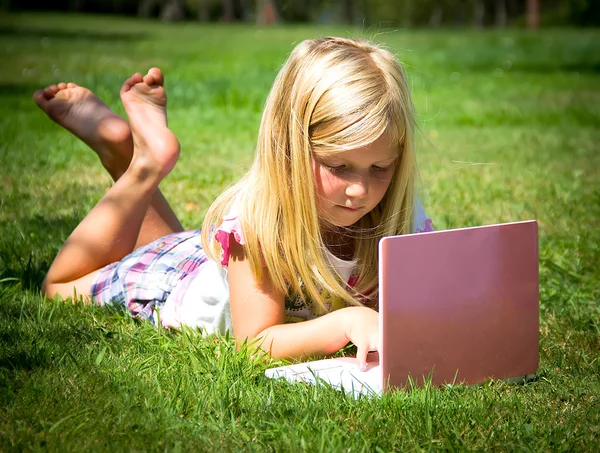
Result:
x=202 y=10
x=533 y=14
x=232 y=10
x=349 y=11
x=228 y=11
x=442 y=12
x=173 y=10
x=478 y=13
x=296 y=10
x=500 y=16
x=407 y=13
x=76 y=5
x=369 y=13
x=437 y=15
x=584 y=12
x=266 y=12
x=146 y=7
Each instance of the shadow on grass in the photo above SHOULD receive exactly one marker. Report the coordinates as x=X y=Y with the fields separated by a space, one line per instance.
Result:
x=28 y=271
x=53 y=33
x=26 y=254
x=38 y=340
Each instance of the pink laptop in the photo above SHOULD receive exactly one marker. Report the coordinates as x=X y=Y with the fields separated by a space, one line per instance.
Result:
x=455 y=306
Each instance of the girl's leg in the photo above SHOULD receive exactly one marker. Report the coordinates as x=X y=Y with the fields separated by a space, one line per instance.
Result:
x=110 y=231
x=79 y=111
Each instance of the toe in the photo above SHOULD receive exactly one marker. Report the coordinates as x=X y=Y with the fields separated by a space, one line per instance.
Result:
x=50 y=91
x=125 y=87
x=39 y=97
x=157 y=75
x=136 y=78
x=71 y=85
x=149 y=80
x=61 y=86
x=131 y=81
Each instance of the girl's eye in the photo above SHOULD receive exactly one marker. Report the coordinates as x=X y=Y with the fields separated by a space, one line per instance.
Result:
x=381 y=169
x=335 y=168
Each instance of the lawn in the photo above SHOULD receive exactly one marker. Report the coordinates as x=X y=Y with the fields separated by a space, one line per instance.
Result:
x=509 y=130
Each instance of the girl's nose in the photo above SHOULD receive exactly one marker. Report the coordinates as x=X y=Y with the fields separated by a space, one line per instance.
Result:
x=359 y=188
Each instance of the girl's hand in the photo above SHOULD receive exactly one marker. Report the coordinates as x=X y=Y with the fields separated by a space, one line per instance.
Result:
x=258 y=313
x=362 y=329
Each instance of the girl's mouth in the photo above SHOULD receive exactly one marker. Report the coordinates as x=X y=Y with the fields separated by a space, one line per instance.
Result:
x=350 y=209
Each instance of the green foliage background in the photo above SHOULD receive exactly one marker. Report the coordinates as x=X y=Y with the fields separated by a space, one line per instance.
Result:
x=392 y=13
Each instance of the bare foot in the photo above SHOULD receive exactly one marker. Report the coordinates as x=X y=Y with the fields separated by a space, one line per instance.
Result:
x=79 y=111
x=145 y=101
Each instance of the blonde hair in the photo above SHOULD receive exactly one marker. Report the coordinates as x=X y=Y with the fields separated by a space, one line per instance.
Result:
x=332 y=94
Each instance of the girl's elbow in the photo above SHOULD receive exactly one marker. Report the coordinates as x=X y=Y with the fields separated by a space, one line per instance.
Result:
x=255 y=341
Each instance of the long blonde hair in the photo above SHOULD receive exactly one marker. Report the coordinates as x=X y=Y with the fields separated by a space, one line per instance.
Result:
x=332 y=94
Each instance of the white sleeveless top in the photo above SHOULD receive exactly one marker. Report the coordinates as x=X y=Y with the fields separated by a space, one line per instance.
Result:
x=201 y=299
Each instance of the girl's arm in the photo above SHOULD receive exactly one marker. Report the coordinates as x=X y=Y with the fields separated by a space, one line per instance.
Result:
x=258 y=313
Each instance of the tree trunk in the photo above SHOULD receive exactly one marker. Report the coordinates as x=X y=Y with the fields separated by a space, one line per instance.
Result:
x=501 y=13
x=145 y=8
x=512 y=10
x=266 y=13
x=533 y=14
x=76 y=5
x=202 y=6
x=407 y=13
x=228 y=11
x=479 y=13
x=173 y=10
x=460 y=13
x=349 y=11
x=435 y=20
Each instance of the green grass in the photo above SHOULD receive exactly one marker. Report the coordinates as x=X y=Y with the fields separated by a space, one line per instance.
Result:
x=510 y=131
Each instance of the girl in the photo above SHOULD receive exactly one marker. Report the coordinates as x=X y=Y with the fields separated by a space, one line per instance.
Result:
x=294 y=240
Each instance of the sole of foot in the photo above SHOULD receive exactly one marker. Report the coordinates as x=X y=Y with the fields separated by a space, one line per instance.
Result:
x=145 y=102
x=82 y=113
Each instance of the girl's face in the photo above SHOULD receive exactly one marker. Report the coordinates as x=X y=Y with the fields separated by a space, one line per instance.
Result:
x=349 y=184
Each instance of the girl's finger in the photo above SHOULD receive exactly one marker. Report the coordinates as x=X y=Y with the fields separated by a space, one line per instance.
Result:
x=361 y=355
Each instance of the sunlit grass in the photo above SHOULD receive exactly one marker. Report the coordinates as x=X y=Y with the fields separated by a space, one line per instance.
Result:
x=509 y=131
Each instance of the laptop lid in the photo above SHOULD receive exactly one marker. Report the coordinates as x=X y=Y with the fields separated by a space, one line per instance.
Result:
x=462 y=305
